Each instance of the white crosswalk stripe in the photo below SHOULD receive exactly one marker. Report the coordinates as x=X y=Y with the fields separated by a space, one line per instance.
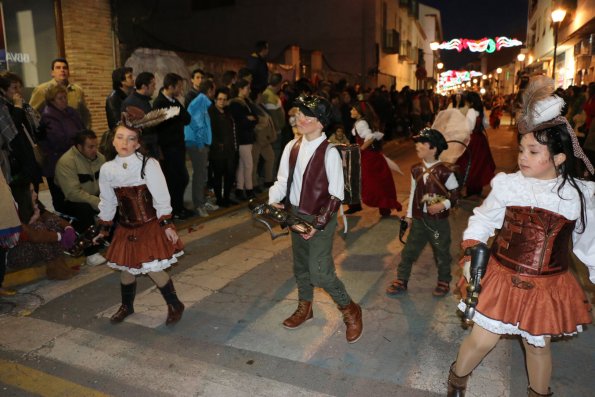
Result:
x=141 y=366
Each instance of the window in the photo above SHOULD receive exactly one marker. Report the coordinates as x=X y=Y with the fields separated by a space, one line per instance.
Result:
x=29 y=38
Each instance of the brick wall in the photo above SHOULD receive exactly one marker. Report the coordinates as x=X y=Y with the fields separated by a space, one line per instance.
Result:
x=89 y=50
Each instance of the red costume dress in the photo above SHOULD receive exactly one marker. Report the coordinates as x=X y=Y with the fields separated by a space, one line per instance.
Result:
x=139 y=244
x=378 y=187
x=481 y=170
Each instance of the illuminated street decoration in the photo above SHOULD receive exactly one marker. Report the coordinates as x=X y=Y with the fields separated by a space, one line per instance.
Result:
x=451 y=78
x=482 y=45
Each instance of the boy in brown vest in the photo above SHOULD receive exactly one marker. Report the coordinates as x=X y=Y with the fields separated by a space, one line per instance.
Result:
x=310 y=185
x=433 y=192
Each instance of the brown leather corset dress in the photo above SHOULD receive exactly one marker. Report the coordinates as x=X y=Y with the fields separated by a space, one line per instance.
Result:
x=534 y=241
x=135 y=206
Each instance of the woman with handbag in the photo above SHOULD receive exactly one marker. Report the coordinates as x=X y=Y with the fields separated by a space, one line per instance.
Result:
x=378 y=186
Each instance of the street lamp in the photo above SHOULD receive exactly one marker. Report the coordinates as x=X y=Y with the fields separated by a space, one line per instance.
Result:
x=498 y=72
x=440 y=65
x=557 y=17
x=434 y=45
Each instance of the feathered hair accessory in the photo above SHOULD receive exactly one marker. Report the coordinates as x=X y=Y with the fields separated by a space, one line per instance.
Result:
x=541 y=109
x=134 y=118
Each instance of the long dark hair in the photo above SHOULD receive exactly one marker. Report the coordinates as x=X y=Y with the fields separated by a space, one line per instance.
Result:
x=367 y=112
x=475 y=102
x=557 y=139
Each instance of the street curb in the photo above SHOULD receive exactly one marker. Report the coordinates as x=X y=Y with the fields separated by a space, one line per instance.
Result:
x=36 y=273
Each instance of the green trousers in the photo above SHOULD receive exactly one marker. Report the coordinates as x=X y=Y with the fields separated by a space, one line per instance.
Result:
x=421 y=234
x=313 y=264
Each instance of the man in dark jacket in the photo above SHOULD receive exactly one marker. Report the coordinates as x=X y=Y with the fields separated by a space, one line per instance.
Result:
x=197 y=76
x=224 y=148
x=257 y=64
x=170 y=136
x=141 y=98
x=122 y=84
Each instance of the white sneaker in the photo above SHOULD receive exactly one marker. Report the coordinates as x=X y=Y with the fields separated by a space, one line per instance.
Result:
x=95 y=259
x=202 y=212
x=210 y=206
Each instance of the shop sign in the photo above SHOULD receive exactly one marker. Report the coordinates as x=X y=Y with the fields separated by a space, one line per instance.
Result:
x=18 y=57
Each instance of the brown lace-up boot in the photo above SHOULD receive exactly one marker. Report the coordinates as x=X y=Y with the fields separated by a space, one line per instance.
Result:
x=302 y=314
x=533 y=393
x=456 y=384
x=352 y=317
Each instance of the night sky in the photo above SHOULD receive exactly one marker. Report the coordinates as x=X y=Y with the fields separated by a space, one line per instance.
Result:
x=476 y=19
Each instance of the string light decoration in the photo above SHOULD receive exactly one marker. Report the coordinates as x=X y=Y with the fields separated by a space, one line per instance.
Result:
x=482 y=45
x=450 y=79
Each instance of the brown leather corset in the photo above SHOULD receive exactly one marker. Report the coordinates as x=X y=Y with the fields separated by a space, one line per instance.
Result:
x=534 y=241
x=135 y=205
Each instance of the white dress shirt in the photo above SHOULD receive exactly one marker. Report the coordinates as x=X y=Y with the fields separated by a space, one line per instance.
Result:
x=334 y=171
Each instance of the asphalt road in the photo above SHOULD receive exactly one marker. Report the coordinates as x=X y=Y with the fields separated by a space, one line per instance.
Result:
x=237 y=284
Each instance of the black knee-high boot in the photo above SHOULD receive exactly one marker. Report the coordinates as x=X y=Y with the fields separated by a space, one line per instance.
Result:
x=127 y=307
x=175 y=308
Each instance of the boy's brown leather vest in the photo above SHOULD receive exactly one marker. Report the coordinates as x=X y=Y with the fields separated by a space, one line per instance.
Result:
x=438 y=175
x=314 y=194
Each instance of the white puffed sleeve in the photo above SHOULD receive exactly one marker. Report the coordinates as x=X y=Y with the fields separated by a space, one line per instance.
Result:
x=363 y=130
x=108 y=202
x=471 y=117
x=584 y=243
x=490 y=214
x=158 y=187
x=334 y=173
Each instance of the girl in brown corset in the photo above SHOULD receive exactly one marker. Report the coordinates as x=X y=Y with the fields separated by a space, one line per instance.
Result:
x=145 y=240
x=527 y=289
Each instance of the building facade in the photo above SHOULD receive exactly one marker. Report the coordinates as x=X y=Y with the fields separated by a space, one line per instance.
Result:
x=372 y=42
x=38 y=31
x=575 y=49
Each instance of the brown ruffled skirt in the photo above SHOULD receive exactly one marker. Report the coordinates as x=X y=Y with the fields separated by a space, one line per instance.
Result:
x=142 y=249
x=547 y=305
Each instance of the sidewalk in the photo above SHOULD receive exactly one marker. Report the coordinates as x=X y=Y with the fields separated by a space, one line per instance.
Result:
x=35 y=273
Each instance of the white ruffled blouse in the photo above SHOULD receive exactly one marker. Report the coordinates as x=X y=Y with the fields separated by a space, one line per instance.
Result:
x=125 y=172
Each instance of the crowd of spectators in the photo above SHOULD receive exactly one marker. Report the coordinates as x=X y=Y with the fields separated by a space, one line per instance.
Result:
x=232 y=127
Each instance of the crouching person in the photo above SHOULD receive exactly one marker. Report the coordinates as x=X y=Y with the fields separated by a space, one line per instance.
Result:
x=77 y=175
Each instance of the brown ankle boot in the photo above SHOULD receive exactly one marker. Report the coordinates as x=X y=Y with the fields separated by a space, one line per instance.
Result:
x=174 y=313
x=533 y=393
x=456 y=384
x=352 y=317
x=302 y=314
x=128 y=292
x=175 y=308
